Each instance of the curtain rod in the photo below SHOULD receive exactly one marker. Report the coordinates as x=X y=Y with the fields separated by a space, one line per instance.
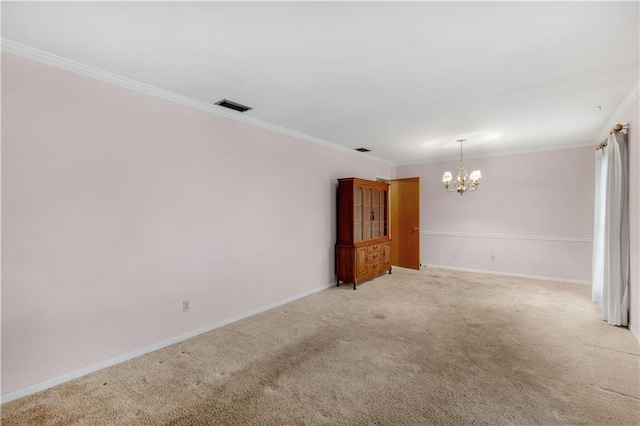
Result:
x=616 y=129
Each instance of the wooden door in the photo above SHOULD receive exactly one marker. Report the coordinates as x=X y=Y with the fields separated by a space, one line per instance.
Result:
x=386 y=254
x=361 y=263
x=404 y=207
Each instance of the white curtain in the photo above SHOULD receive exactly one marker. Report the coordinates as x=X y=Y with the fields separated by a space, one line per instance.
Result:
x=611 y=231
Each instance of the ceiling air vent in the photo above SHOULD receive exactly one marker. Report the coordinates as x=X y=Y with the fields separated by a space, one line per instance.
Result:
x=233 y=105
x=363 y=149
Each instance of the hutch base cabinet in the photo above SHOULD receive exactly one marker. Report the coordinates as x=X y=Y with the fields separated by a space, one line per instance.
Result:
x=363 y=249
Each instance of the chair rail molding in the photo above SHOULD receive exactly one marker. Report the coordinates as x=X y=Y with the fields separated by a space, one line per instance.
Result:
x=507 y=236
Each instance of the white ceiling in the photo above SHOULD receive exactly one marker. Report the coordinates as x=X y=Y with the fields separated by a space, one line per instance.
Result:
x=402 y=79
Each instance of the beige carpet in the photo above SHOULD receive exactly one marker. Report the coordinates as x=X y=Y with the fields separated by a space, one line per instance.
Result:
x=412 y=348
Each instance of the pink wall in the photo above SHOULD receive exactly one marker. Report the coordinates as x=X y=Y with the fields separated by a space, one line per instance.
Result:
x=532 y=215
x=118 y=205
x=632 y=117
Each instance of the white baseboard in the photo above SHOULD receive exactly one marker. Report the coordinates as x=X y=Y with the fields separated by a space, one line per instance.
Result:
x=154 y=347
x=509 y=274
x=634 y=332
x=535 y=277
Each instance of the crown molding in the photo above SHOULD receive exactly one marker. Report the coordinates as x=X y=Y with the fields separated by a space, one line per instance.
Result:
x=497 y=154
x=60 y=62
x=622 y=109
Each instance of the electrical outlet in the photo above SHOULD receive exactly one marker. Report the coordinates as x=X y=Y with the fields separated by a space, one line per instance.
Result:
x=185 y=305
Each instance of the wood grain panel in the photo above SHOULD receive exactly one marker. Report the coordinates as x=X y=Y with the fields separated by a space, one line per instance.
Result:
x=405 y=222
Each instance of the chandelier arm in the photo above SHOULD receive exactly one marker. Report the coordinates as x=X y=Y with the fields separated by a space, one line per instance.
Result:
x=446 y=187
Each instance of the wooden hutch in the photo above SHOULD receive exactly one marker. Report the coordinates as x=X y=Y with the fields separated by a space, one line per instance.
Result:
x=363 y=250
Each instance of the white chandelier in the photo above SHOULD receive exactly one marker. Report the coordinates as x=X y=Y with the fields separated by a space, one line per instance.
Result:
x=464 y=182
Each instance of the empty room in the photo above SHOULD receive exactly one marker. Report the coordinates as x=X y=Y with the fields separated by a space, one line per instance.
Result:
x=320 y=213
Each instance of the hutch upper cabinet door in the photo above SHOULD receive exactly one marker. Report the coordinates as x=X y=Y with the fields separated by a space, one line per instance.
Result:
x=357 y=214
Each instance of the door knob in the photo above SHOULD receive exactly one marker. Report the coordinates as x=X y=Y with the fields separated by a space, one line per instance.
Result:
x=416 y=229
